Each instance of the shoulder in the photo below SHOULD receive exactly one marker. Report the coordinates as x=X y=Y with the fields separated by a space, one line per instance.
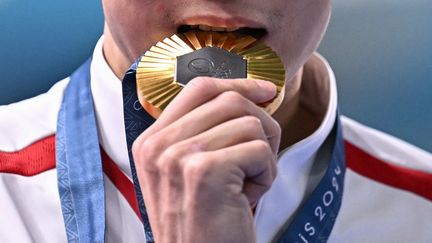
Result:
x=28 y=121
x=27 y=169
x=386 y=160
x=361 y=139
x=27 y=133
x=386 y=196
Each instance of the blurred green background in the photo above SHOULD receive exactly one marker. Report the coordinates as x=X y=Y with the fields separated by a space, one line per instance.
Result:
x=381 y=52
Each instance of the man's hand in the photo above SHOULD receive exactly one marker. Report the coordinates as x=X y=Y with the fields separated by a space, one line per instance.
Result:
x=207 y=159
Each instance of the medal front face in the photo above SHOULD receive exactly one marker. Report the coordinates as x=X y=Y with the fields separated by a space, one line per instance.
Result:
x=169 y=65
x=211 y=62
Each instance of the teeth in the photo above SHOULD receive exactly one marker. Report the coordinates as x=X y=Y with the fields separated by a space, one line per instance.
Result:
x=218 y=29
x=211 y=28
x=204 y=27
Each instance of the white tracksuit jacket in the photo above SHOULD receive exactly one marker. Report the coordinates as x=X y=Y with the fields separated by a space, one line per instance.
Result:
x=387 y=191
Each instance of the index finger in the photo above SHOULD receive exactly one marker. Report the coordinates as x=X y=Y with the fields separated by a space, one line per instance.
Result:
x=203 y=89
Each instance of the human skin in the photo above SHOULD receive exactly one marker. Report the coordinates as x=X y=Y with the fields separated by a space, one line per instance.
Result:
x=212 y=153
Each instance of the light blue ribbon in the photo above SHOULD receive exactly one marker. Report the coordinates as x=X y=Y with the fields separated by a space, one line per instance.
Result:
x=79 y=166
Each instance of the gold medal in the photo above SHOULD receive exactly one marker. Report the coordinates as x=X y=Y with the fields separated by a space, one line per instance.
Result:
x=167 y=67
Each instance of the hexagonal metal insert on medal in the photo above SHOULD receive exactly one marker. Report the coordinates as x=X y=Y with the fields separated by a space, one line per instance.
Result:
x=210 y=62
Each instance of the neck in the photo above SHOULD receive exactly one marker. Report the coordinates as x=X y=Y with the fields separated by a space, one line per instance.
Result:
x=304 y=109
x=115 y=58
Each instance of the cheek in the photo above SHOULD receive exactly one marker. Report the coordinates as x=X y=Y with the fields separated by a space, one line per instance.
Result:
x=300 y=33
x=134 y=25
x=160 y=8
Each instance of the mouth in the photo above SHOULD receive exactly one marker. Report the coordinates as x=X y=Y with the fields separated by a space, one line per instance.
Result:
x=219 y=48
x=257 y=33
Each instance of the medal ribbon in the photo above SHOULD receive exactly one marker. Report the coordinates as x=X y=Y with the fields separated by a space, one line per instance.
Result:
x=80 y=176
x=315 y=219
x=78 y=162
x=136 y=121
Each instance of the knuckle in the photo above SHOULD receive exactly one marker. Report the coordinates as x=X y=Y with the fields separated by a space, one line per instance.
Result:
x=203 y=86
x=232 y=97
x=136 y=148
x=202 y=83
x=253 y=127
x=172 y=152
x=153 y=144
x=169 y=160
x=249 y=88
x=263 y=147
x=197 y=168
x=176 y=156
x=137 y=151
x=250 y=85
x=148 y=150
x=253 y=123
x=245 y=85
x=236 y=104
x=144 y=157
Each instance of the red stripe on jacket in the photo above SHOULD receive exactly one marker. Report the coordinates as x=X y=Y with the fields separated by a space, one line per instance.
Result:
x=120 y=181
x=415 y=181
x=32 y=160
x=40 y=157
